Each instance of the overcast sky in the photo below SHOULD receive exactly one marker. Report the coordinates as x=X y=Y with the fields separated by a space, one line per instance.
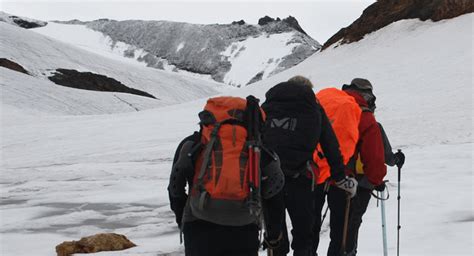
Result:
x=319 y=18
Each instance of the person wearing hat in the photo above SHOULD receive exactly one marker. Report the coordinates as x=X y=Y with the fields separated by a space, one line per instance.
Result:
x=368 y=162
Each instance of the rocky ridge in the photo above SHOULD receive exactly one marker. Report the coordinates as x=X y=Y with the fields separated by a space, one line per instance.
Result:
x=384 y=12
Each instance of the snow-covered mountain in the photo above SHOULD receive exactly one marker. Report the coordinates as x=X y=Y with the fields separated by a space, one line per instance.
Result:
x=64 y=177
x=236 y=54
x=43 y=56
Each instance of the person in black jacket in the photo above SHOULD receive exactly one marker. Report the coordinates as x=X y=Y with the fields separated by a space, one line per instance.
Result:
x=294 y=126
x=204 y=238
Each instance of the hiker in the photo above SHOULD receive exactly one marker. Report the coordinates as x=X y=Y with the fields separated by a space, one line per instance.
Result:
x=368 y=163
x=294 y=126
x=229 y=182
x=344 y=113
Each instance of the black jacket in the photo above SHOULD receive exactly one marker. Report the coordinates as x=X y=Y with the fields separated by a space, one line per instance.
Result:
x=295 y=124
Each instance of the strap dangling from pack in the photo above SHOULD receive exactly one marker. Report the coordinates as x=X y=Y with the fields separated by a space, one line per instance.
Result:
x=207 y=155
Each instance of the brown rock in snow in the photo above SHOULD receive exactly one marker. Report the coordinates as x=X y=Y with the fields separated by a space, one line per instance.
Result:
x=6 y=63
x=96 y=243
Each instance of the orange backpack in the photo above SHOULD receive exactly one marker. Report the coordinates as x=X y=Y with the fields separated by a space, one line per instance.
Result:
x=344 y=114
x=227 y=174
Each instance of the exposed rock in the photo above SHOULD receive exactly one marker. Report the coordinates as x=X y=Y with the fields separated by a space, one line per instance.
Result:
x=384 y=12
x=265 y=20
x=6 y=63
x=25 y=23
x=96 y=243
x=292 y=22
x=21 y=21
x=256 y=78
x=240 y=22
x=93 y=82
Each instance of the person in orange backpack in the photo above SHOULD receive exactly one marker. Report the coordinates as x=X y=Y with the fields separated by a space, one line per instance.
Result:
x=344 y=114
x=367 y=164
x=234 y=182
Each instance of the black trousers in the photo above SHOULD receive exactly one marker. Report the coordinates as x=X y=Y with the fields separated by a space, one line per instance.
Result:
x=337 y=199
x=358 y=208
x=202 y=238
x=300 y=206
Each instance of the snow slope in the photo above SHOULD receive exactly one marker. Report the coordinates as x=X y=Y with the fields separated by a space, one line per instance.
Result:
x=64 y=177
x=98 y=43
x=41 y=55
x=241 y=53
x=88 y=39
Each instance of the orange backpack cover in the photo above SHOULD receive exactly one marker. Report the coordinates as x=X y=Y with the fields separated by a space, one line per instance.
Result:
x=221 y=186
x=344 y=114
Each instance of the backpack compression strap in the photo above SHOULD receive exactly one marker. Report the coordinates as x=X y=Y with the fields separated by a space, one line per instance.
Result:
x=205 y=163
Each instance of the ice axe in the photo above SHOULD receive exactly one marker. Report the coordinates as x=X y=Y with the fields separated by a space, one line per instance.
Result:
x=346 y=225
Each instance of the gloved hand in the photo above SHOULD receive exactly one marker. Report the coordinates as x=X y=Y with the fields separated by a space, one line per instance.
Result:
x=348 y=184
x=272 y=243
x=399 y=159
x=380 y=187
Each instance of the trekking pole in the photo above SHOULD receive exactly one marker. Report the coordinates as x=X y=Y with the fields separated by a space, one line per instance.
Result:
x=346 y=224
x=384 y=223
x=398 y=199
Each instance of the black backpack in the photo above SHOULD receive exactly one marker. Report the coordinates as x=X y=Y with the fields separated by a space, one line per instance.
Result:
x=293 y=125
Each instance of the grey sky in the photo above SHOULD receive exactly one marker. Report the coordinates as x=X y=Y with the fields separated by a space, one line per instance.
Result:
x=320 y=19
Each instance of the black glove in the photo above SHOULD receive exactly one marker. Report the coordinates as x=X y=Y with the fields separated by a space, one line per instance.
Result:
x=272 y=243
x=380 y=187
x=399 y=159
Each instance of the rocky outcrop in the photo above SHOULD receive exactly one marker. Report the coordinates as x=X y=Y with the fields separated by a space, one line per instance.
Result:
x=240 y=22
x=256 y=78
x=290 y=21
x=266 y=19
x=21 y=21
x=384 y=12
x=6 y=63
x=94 y=82
x=96 y=243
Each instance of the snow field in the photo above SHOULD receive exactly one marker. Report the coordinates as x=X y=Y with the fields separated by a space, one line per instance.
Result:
x=265 y=52
x=64 y=177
